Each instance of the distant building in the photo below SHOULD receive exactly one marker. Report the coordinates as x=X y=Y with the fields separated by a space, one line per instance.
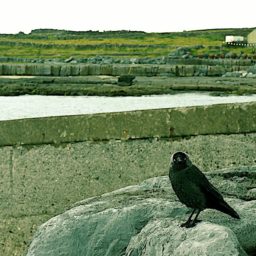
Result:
x=234 y=39
x=251 y=38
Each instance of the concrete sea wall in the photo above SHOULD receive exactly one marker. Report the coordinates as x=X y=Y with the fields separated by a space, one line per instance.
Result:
x=48 y=164
x=158 y=123
x=117 y=69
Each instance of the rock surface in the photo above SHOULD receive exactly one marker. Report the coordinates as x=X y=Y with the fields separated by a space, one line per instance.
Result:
x=125 y=80
x=205 y=239
x=145 y=220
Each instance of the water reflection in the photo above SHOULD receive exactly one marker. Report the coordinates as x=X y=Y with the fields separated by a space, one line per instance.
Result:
x=28 y=106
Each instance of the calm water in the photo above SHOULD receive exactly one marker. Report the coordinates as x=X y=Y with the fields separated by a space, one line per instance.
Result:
x=40 y=106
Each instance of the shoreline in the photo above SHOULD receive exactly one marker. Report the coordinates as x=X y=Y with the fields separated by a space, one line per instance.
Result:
x=98 y=85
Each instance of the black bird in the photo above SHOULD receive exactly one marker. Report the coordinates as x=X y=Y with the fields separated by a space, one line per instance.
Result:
x=194 y=190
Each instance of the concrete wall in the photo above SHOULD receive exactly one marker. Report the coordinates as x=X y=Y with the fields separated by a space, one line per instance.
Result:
x=160 y=123
x=48 y=164
x=117 y=69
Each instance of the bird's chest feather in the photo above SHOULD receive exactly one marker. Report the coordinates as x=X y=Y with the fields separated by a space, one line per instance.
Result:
x=186 y=190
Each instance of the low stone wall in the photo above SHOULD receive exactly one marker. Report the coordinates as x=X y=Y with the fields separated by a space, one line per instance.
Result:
x=158 y=123
x=117 y=69
x=48 y=164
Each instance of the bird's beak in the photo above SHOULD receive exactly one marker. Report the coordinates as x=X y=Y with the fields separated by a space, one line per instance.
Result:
x=179 y=159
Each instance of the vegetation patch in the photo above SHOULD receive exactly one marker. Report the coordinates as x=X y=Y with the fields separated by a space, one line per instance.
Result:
x=61 y=44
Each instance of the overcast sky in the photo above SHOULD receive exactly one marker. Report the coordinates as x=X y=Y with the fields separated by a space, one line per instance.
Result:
x=144 y=15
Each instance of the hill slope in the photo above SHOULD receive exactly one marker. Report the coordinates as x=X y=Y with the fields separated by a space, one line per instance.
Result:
x=61 y=44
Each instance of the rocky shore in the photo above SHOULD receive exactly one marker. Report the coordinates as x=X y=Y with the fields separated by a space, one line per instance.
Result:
x=102 y=85
x=144 y=220
x=124 y=79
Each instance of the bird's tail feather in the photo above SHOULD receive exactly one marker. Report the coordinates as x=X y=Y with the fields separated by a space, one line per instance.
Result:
x=225 y=208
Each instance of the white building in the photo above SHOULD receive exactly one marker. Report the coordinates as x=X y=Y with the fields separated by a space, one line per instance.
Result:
x=234 y=39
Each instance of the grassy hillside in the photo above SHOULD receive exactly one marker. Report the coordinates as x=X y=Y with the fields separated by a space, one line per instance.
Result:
x=61 y=44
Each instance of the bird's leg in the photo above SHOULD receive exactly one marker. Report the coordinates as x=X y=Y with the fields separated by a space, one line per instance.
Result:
x=195 y=220
x=189 y=223
x=185 y=224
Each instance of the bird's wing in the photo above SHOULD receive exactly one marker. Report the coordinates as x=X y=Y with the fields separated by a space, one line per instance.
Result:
x=205 y=186
x=213 y=197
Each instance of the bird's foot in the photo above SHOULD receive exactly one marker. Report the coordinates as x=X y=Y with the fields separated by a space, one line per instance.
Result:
x=190 y=224
x=187 y=224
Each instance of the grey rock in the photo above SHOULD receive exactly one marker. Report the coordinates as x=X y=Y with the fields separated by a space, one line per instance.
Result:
x=199 y=46
x=235 y=183
x=179 y=52
x=241 y=73
x=230 y=55
x=134 y=60
x=251 y=75
x=251 y=194
x=252 y=69
x=203 y=240
x=95 y=60
x=68 y=60
x=185 y=56
x=125 y=80
x=144 y=219
x=231 y=74
x=125 y=61
x=108 y=60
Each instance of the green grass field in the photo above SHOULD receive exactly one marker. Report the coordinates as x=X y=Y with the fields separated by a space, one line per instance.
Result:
x=47 y=43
